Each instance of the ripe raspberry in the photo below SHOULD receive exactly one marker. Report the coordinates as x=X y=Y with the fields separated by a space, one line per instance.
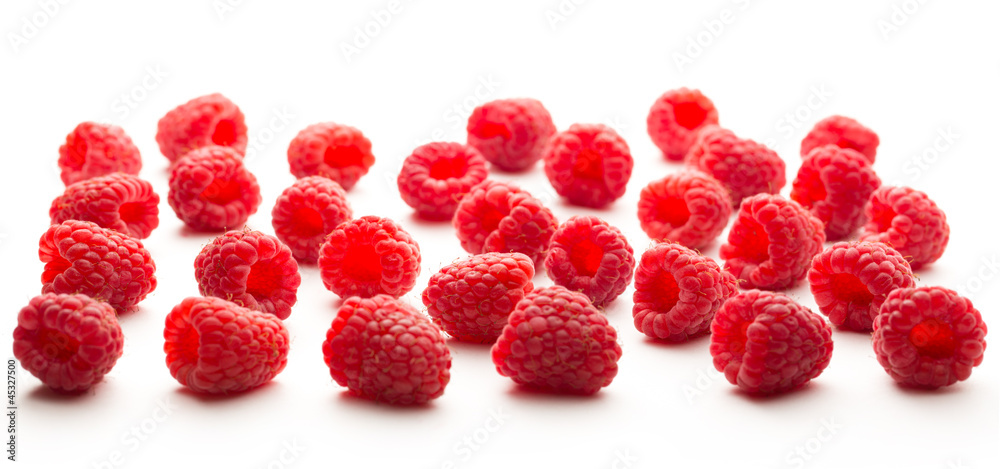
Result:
x=218 y=347
x=120 y=202
x=766 y=343
x=834 y=184
x=211 y=190
x=81 y=257
x=909 y=221
x=471 y=298
x=203 y=121
x=339 y=152
x=68 y=341
x=677 y=292
x=928 y=337
x=382 y=349
x=501 y=217
x=689 y=208
x=772 y=242
x=850 y=280
x=93 y=149
x=511 y=133
x=305 y=212
x=369 y=256
x=437 y=175
x=589 y=164
x=743 y=166
x=251 y=269
x=843 y=132
x=675 y=119
x=590 y=256
x=556 y=341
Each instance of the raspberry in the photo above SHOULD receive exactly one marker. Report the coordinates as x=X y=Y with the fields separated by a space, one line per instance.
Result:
x=851 y=280
x=68 y=341
x=772 y=242
x=437 y=175
x=834 y=184
x=339 y=152
x=471 y=298
x=843 y=132
x=501 y=217
x=743 y=166
x=305 y=212
x=677 y=292
x=211 y=190
x=93 y=149
x=589 y=164
x=590 y=256
x=383 y=349
x=218 y=347
x=81 y=257
x=909 y=221
x=766 y=343
x=928 y=337
x=675 y=119
x=369 y=256
x=203 y=121
x=511 y=133
x=689 y=208
x=251 y=269
x=120 y=202
x=556 y=341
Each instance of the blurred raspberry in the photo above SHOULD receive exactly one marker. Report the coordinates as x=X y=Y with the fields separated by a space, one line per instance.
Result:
x=510 y=133
x=909 y=221
x=689 y=208
x=743 y=166
x=843 y=132
x=437 y=175
x=203 y=121
x=211 y=190
x=336 y=151
x=589 y=164
x=306 y=212
x=676 y=118
x=834 y=185
x=120 y=202
x=93 y=149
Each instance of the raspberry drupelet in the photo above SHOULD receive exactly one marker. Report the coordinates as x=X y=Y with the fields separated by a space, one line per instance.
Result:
x=306 y=212
x=93 y=149
x=743 y=166
x=909 y=221
x=339 y=152
x=211 y=190
x=203 y=121
x=369 y=256
x=120 y=202
x=436 y=176
x=589 y=164
x=510 y=133
x=834 y=184
x=588 y=255
x=689 y=208
x=843 y=132
x=675 y=119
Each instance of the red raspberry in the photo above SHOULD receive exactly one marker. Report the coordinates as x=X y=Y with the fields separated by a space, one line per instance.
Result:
x=766 y=343
x=306 y=212
x=589 y=164
x=675 y=119
x=471 y=298
x=834 y=184
x=251 y=269
x=81 y=257
x=382 y=349
x=590 y=256
x=677 y=292
x=511 y=133
x=211 y=190
x=556 y=341
x=909 y=221
x=437 y=175
x=93 y=149
x=689 y=208
x=218 y=347
x=928 y=337
x=772 y=242
x=120 y=202
x=850 y=280
x=843 y=132
x=743 y=166
x=501 y=217
x=68 y=341
x=339 y=152
x=369 y=256
x=203 y=121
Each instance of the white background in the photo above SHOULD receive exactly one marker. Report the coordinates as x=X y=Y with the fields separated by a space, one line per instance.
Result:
x=773 y=68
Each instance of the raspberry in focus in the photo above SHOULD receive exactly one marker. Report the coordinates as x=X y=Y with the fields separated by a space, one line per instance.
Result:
x=675 y=119
x=437 y=175
x=471 y=298
x=689 y=208
x=843 y=132
x=588 y=255
x=743 y=166
x=119 y=201
x=69 y=342
x=331 y=150
x=369 y=256
x=834 y=184
x=383 y=349
x=510 y=133
x=211 y=190
x=306 y=212
x=93 y=149
x=203 y=121
x=766 y=343
x=909 y=221
x=589 y=164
